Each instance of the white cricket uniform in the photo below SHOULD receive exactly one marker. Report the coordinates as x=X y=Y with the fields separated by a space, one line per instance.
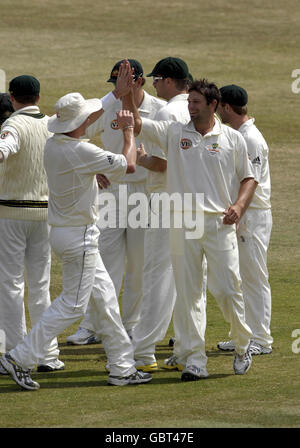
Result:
x=122 y=247
x=159 y=292
x=24 y=243
x=254 y=234
x=206 y=164
x=71 y=165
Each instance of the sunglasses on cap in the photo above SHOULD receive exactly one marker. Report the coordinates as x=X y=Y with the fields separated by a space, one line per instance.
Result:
x=157 y=78
x=114 y=79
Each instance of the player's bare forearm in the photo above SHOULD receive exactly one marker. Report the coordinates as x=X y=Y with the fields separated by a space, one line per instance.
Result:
x=125 y=122
x=234 y=213
x=152 y=163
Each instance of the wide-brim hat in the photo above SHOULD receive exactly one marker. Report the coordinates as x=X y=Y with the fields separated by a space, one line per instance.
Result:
x=71 y=111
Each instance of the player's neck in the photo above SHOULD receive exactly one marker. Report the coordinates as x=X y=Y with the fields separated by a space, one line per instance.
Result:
x=237 y=121
x=205 y=127
x=139 y=97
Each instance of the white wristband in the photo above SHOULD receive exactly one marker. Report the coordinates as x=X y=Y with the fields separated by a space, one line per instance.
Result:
x=108 y=100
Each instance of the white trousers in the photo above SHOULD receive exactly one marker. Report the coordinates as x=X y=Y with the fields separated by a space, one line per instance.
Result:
x=159 y=293
x=253 y=239
x=159 y=296
x=122 y=251
x=219 y=244
x=24 y=251
x=81 y=266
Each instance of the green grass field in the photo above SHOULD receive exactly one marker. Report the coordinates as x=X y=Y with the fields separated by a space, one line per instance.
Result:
x=70 y=45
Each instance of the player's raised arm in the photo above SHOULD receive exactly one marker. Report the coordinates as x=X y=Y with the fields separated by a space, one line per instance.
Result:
x=123 y=86
x=126 y=123
x=129 y=104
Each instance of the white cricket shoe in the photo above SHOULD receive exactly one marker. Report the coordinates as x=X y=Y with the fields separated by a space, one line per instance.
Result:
x=242 y=363
x=226 y=346
x=137 y=377
x=19 y=375
x=257 y=349
x=51 y=366
x=193 y=373
x=83 y=337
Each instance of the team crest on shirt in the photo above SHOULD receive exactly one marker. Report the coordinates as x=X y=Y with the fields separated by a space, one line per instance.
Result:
x=4 y=134
x=114 y=125
x=213 y=149
x=186 y=143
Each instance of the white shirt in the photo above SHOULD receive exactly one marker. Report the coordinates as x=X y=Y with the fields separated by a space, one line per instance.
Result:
x=112 y=137
x=176 y=109
x=258 y=152
x=71 y=165
x=206 y=164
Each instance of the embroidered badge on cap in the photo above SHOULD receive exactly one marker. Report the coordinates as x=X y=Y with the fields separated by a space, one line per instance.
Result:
x=185 y=143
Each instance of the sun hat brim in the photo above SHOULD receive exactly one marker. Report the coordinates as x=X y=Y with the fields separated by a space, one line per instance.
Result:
x=57 y=126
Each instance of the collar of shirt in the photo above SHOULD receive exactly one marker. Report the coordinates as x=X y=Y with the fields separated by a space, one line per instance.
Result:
x=216 y=130
x=64 y=137
x=29 y=109
x=180 y=97
x=247 y=124
x=145 y=107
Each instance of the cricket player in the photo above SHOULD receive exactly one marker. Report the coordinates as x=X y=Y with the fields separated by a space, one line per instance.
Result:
x=205 y=156
x=121 y=247
x=24 y=243
x=71 y=165
x=254 y=230
x=170 y=80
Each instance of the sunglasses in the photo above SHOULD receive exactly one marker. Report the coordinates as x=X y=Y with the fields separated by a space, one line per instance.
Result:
x=157 y=78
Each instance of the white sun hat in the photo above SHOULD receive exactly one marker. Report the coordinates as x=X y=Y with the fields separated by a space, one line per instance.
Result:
x=71 y=111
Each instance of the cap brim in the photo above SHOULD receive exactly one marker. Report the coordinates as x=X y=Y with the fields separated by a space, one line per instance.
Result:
x=59 y=127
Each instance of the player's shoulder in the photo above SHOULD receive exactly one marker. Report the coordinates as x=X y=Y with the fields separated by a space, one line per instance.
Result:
x=252 y=134
x=153 y=100
x=230 y=132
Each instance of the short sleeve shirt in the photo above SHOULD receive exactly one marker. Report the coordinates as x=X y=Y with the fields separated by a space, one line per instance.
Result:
x=71 y=165
x=208 y=164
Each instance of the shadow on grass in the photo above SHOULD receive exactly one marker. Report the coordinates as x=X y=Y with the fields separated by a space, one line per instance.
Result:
x=59 y=382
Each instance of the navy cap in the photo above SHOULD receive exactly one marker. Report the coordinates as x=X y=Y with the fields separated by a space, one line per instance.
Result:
x=234 y=95
x=171 y=68
x=24 y=85
x=136 y=65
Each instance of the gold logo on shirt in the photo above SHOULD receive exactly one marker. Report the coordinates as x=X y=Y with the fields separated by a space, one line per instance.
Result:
x=185 y=143
x=4 y=134
x=114 y=125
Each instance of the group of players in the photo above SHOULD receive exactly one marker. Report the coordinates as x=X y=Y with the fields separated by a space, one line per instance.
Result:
x=176 y=142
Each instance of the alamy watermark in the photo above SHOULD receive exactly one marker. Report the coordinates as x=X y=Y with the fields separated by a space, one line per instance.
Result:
x=160 y=210
x=295 y=86
x=296 y=342
x=2 y=341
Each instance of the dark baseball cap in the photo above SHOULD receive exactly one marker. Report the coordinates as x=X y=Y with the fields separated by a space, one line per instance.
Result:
x=136 y=65
x=171 y=68
x=234 y=95
x=24 y=85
